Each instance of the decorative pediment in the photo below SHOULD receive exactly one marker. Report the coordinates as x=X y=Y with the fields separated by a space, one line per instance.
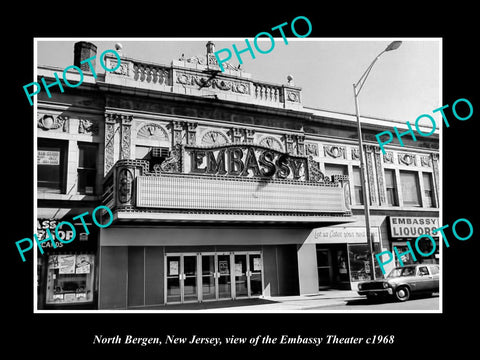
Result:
x=272 y=143
x=214 y=137
x=211 y=82
x=153 y=131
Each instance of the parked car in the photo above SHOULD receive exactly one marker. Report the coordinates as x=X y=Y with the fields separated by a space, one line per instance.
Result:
x=402 y=281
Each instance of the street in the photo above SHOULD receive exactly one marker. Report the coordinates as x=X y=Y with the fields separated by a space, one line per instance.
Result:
x=420 y=303
x=324 y=301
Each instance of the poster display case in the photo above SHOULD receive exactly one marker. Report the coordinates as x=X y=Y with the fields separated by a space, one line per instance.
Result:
x=70 y=278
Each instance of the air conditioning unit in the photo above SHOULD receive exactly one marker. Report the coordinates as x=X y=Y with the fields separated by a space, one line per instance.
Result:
x=159 y=152
x=157 y=156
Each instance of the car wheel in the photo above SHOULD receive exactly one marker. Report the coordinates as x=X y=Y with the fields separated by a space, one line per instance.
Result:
x=402 y=293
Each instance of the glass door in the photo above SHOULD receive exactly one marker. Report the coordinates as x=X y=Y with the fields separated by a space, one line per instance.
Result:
x=224 y=276
x=255 y=274
x=181 y=284
x=173 y=291
x=324 y=267
x=189 y=278
x=248 y=274
x=209 y=287
x=241 y=279
x=212 y=276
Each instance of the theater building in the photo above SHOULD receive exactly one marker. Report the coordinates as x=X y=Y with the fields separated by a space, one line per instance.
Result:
x=222 y=187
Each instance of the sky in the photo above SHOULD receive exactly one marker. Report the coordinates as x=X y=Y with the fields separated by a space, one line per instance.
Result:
x=402 y=85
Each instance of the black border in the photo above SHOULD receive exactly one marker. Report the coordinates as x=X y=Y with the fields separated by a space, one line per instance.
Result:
x=72 y=334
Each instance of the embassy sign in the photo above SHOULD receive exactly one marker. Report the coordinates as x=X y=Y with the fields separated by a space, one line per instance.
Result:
x=245 y=160
x=242 y=177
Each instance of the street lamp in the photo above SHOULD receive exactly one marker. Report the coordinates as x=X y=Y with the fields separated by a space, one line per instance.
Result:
x=365 y=186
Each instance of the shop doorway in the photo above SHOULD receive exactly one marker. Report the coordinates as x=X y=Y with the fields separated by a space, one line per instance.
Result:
x=332 y=267
x=181 y=278
x=212 y=276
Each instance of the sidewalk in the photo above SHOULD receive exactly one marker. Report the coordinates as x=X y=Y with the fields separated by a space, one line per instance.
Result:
x=274 y=303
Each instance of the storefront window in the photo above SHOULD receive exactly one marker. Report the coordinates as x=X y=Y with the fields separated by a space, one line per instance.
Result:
x=70 y=279
x=359 y=256
x=425 y=246
x=341 y=259
x=405 y=255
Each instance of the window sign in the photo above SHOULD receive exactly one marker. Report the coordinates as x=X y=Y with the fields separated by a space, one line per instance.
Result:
x=82 y=265
x=342 y=235
x=173 y=268
x=48 y=157
x=223 y=267
x=66 y=264
x=238 y=269
x=53 y=262
x=69 y=297
x=257 y=264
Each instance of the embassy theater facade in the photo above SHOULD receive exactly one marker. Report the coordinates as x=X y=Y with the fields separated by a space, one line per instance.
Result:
x=222 y=187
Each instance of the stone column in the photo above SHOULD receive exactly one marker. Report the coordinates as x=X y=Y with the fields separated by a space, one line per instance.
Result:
x=126 y=129
x=191 y=129
x=380 y=176
x=176 y=128
x=288 y=138
x=249 y=133
x=300 y=144
x=235 y=135
x=436 y=177
x=110 y=121
x=370 y=174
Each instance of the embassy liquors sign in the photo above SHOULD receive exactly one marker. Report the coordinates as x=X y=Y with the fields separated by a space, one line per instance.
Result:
x=406 y=226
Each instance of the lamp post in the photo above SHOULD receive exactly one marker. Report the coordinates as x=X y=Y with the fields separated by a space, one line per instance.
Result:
x=365 y=186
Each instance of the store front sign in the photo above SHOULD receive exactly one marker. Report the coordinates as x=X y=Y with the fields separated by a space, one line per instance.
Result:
x=403 y=226
x=342 y=235
x=64 y=232
x=245 y=160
